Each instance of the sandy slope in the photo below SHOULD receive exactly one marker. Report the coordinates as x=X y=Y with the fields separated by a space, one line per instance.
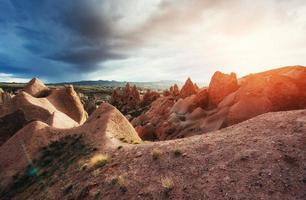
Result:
x=261 y=158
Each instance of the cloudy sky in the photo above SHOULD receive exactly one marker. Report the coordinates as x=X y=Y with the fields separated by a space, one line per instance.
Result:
x=151 y=40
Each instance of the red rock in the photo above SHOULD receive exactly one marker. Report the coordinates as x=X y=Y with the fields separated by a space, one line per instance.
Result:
x=188 y=89
x=274 y=90
x=220 y=86
x=146 y=132
x=201 y=98
x=158 y=113
x=149 y=97
x=268 y=91
x=174 y=90
x=196 y=87
x=127 y=99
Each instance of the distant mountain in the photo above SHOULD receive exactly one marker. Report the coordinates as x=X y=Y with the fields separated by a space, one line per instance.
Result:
x=149 y=85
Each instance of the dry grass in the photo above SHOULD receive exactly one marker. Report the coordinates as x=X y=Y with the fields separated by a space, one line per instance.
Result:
x=99 y=160
x=156 y=153
x=120 y=181
x=177 y=152
x=167 y=184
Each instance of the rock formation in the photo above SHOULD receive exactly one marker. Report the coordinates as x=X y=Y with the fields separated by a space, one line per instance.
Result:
x=188 y=89
x=105 y=128
x=225 y=102
x=174 y=90
x=44 y=156
x=263 y=158
x=149 y=97
x=60 y=108
x=5 y=97
x=126 y=99
x=130 y=102
x=36 y=88
x=220 y=86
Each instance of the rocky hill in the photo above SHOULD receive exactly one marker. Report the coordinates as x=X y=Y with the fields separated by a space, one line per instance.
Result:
x=262 y=158
x=51 y=149
x=225 y=102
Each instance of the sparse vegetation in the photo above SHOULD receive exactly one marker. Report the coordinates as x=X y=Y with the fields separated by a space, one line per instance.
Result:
x=119 y=147
x=156 y=153
x=177 y=152
x=68 y=189
x=120 y=182
x=84 y=167
x=167 y=184
x=54 y=159
x=99 y=160
x=136 y=142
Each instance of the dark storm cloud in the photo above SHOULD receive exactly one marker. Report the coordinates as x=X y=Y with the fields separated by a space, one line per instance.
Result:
x=76 y=33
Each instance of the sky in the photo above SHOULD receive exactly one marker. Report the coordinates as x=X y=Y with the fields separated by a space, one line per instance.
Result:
x=151 y=40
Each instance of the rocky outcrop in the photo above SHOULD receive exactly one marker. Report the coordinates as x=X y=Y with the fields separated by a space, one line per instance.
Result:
x=220 y=86
x=225 y=103
x=10 y=124
x=188 y=89
x=262 y=158
x=126 y=99
x=149 y=97
x=36 y=88
x=274 y=90
x=5 y=97
x=155 y=117
x=174 y=90
x=67 y=101
x=61 y=108
x=106 y=128
x=130 y=102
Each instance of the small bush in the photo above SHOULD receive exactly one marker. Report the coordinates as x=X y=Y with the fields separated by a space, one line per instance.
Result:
x=156 y=154
x=177 y=152
x=167 y=184
x=68 y=189
x=99 y=160
x=84 y=167
x=120 y=181
x=119 y=147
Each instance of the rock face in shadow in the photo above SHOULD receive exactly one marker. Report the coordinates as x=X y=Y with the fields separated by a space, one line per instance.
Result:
x=10 y=124
x=225 y=102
